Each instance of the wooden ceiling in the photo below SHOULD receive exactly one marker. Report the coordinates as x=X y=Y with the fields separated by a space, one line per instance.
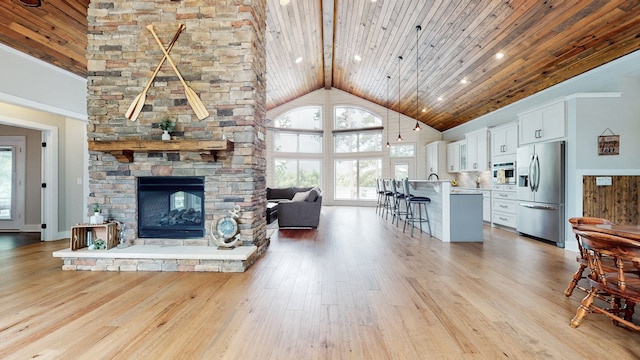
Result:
x=543 y=42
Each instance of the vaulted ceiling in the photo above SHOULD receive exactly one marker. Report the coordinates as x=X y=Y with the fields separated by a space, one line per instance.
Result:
x=353 y=45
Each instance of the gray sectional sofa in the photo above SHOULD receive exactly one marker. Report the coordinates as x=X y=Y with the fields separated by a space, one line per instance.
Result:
x=297 y=207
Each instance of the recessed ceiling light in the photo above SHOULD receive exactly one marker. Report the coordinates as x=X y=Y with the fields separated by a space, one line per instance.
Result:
x=499 y=55
x=464 y=81
x=284 y=2
x=357 y=57
x=424 y=109
x=440 y=98
x=299 y=60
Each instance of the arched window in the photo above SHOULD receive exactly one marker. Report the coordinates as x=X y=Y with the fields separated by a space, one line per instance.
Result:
x=356 y=130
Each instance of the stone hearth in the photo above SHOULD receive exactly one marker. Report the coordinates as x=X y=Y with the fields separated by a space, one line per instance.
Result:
x=221 y=55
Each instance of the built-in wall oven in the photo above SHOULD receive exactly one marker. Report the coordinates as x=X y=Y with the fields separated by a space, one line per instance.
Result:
x=504 y=173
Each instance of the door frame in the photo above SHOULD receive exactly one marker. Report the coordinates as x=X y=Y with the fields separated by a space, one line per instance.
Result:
x=49 y=163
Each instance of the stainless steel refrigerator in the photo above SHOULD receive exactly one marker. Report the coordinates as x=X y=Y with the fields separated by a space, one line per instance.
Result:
x=540 y=175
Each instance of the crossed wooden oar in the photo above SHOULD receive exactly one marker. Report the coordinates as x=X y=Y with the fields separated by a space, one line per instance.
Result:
x=193 y=99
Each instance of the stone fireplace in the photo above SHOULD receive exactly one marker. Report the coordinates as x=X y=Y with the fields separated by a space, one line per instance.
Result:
x=221 y=56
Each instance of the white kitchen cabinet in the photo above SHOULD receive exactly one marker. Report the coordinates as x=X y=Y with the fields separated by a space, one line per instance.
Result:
x=504 y=140
x=477 y=151
x=486 y=205
x=504 y=205
x=437 y=158
x=453 y=157
x=542 y=124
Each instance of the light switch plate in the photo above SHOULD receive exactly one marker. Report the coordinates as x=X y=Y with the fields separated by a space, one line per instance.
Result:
x=603 y=180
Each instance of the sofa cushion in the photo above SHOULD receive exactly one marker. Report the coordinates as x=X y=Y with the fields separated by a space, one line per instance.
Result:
x=279 y=193
x=300 y=196
x=313 y=194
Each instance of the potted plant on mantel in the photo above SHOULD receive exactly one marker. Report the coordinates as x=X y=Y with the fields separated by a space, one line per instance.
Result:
x=167 y=126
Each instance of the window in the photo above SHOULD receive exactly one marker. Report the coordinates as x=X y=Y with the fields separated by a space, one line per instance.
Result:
x=405 y=150
x=6 y=182
x=401 y=170
x=297 y=142
x=308 y=118
x=352 y=118
x=295 y=172
x=356 y=179
x=356 y=130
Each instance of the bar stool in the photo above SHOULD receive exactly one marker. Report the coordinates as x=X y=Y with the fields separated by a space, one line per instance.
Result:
x=411 y=203
x=398 y=199
x=389 y=204
x=380 y=192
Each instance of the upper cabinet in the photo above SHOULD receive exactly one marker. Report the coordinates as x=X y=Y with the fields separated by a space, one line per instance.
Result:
x=437 y=158
x=542 y=124
x=453 y=157
x=504 y=140
x=477 y=151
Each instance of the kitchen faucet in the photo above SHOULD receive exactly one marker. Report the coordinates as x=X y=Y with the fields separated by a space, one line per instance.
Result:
x=433 y=174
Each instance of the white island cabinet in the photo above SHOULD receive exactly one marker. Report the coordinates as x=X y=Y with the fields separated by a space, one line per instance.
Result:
x=455 y=215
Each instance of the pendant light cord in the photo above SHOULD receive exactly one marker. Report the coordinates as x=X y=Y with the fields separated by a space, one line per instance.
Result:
x=417 y=127
x=399 y=136
x=388 y=104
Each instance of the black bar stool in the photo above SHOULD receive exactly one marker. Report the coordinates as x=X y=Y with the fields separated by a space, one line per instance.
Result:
x=380 y=191
x=398 y=199
x=414 y=203
x=389 y=203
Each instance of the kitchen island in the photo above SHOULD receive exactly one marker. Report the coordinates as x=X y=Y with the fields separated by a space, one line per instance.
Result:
x=455 y=215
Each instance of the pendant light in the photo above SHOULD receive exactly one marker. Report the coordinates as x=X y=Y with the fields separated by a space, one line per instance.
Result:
x=417 y=127
x=388 y=104
x=399 y=136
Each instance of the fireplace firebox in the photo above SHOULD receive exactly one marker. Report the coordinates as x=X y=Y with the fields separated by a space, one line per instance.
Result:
x=171 y=207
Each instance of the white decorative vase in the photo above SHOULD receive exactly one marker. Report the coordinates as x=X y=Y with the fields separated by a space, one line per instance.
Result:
x=166 y=136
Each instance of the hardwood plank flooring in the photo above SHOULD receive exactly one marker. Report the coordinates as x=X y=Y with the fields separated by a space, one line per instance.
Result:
x=355 y=288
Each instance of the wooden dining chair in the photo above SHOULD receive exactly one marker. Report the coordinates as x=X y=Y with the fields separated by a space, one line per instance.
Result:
x=619 y=285
x=581 y=259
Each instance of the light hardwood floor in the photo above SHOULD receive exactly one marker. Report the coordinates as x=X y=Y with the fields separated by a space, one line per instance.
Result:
x=357 y=288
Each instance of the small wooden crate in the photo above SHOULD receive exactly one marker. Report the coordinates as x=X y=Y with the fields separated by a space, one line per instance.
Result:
x=107 y=232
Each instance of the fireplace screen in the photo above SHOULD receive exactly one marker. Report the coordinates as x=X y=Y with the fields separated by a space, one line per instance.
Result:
x=170 y=207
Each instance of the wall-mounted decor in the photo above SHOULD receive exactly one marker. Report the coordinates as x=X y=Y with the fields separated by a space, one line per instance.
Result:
x=608 y=144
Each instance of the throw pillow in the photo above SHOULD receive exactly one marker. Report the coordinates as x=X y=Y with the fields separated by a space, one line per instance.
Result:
x=300 y=196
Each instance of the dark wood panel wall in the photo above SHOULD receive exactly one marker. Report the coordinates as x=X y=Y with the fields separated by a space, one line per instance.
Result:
x=618 y=202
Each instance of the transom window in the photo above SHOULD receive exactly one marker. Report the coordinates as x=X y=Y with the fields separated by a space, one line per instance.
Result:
x=405 y=150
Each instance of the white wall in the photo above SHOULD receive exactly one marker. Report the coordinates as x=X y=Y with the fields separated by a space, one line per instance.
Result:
x=327 y=100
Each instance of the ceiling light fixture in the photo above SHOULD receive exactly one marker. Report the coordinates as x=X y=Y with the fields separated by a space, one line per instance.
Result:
x=440 y=98
x=32 y=3
x=299 y=60
x=499 y=55
x=284 y=2
x=357 y=57
x=464 y=81
x=399 y=136
x=417 y=127
x=388 y=104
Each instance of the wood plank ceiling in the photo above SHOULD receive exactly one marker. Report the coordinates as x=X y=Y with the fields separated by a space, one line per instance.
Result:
x=543 y=42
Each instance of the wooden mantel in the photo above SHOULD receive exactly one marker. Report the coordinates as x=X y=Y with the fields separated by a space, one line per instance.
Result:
x=123 y=150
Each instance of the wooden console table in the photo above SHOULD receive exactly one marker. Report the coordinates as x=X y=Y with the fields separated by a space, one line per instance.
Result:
x=123 y=150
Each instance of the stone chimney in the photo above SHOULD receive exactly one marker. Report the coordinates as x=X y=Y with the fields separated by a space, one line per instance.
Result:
x=221 y=55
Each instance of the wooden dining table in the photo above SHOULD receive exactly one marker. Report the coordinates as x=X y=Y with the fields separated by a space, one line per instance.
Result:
x=625 y=231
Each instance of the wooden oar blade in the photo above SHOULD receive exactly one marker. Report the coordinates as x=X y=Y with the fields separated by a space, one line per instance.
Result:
x=131 y=110
x=196 y=104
